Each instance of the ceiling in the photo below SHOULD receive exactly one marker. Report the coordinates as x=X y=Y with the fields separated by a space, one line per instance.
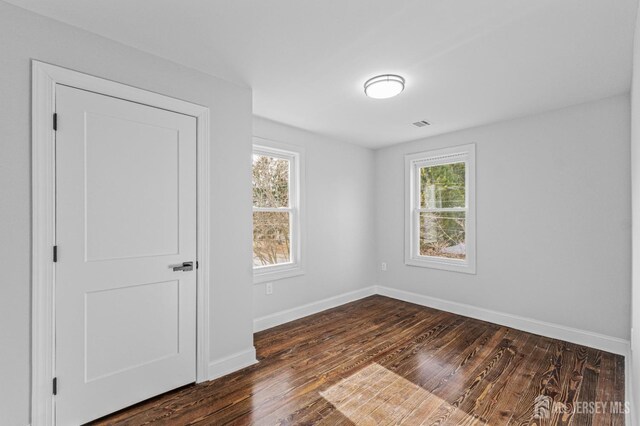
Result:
x=466 y=62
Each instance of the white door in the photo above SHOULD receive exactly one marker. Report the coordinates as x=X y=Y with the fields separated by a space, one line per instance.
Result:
x=125 y=321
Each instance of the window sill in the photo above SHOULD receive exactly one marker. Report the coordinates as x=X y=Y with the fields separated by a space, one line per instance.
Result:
x=276 y=273
x=442 y=264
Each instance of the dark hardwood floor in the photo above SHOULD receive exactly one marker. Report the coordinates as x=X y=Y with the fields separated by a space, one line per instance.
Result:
x=382 y=361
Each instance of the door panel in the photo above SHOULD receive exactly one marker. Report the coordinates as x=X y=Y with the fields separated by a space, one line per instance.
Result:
x=125 y=213
x=134 y=166
x=108 y=316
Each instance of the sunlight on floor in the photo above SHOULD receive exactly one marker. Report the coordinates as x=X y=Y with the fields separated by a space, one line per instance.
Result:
x=375 y=395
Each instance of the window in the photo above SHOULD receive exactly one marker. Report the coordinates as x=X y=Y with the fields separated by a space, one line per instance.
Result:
x=440 y=209
x=276 y=213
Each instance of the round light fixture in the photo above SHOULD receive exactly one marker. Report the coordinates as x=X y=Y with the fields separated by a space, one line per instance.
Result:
x=384 y=86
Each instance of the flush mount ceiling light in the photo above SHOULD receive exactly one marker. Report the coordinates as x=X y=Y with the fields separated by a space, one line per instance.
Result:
x=384 y=86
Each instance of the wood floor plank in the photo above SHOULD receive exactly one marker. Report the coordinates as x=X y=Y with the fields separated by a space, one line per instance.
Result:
x=441 y=380
x=494 y=392
x=345 y=362
x=588 y=388
x=403 y=367
x=456 y=403
x=425 y=346
x=346 y=367
x=380 y=361
x=618 y=390
x=570 y=384
x=517 y=388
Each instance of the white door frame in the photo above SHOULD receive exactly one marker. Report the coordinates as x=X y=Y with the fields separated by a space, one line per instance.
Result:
x=44 y=80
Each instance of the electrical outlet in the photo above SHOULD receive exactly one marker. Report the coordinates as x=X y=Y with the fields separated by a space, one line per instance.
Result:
x=268 y=288
x=383 y=266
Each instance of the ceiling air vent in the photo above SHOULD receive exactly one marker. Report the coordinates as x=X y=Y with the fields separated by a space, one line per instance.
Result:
x=422 y=123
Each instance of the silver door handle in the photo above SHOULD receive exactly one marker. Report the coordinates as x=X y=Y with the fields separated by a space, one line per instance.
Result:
x=186 y=266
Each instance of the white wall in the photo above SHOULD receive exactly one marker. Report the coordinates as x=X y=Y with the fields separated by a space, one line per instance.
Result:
x=340 y=255
x=553 y=218
x=25 y=36
x=635 y=197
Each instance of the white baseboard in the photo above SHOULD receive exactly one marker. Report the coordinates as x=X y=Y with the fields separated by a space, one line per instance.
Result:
x=555 y=331
x=231 y=363
x=272 y=320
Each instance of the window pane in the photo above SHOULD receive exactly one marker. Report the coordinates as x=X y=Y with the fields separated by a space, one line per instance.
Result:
x=271 y=244
x=442 y=234
x=270 y=181
x=442 y=186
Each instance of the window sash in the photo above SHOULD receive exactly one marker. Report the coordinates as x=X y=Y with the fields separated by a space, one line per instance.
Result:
x=414 y=163
x=433 y=162
x=426 y=163
x=291 y=184
x=273 y=209
x=442 y=209
x=295 y=260
x=416 y=229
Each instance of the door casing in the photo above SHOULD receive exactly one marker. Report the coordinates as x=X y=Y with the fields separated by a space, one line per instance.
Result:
x=45 y=77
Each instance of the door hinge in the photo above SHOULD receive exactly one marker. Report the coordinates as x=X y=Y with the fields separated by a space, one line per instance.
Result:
x=55 y=121
x=55 y=253
x=55 y=385
x=197 y=265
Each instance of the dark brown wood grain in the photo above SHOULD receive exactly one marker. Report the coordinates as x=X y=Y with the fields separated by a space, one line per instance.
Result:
x=383 y=361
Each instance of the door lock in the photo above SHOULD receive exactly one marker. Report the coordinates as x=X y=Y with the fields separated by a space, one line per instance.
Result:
x=186 y=266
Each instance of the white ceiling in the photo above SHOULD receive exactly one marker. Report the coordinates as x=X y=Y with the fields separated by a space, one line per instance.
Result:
x=466 y=62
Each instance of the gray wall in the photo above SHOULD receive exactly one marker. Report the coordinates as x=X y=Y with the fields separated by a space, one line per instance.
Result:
x=553 y=218
x=25 y=36
x=340 y=213
x=635 y=197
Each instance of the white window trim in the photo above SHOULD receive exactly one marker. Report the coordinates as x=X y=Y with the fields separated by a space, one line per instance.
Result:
x=295 y=155
x=466 y=154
